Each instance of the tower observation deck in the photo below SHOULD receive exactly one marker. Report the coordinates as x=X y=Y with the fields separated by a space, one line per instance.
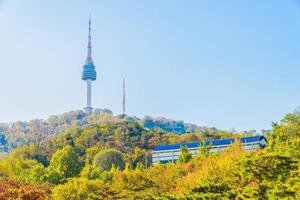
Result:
x=89 y=73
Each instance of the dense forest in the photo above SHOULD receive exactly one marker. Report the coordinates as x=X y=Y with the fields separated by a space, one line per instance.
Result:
x=76 y=157
x=16 y=134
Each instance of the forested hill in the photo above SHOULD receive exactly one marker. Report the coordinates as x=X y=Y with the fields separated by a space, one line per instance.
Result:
x=16 y=134
x=109 y=157
x=89 y=134
x=57 y=123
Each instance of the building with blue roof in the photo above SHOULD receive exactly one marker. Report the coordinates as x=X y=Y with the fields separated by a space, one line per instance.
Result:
x=171 y=152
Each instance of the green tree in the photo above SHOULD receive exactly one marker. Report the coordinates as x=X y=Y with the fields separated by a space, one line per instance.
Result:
x=265 y=174
x=217 y=190
x=65 y=164
x=29 y=152
x=185 y=156
x=204 y=150
x=82 y=188
x=104 y=160
x=90 y=172
x=91 y=152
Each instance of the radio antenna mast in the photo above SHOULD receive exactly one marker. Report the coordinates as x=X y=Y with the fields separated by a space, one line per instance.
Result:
x=124 y=97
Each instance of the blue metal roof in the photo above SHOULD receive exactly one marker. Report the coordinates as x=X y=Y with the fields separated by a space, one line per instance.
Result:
x=212 y=142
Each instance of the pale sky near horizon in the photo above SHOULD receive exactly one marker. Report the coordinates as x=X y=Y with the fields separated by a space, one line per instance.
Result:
x=224 y=64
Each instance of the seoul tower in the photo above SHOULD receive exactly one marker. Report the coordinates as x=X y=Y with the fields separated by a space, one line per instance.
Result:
x=89 y=73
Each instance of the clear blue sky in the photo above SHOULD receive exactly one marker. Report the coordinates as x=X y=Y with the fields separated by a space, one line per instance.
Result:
x=227 y=64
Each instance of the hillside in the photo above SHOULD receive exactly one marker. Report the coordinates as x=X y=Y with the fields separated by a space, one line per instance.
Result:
x=110 y=158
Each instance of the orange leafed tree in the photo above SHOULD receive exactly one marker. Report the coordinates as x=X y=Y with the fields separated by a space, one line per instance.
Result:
x=10 y=189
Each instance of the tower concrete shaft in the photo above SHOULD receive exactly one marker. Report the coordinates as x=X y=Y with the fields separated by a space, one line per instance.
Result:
x=88 y=107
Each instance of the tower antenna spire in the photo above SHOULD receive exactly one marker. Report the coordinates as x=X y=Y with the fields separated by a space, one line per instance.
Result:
x=124 y=97
x=89 y=53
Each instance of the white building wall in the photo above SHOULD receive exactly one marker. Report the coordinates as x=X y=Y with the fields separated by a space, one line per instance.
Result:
x=169 y=155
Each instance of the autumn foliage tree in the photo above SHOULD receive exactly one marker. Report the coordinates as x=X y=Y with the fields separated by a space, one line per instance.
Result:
x=10 y=189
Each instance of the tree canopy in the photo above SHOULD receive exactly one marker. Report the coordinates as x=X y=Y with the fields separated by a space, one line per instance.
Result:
x=110 y=159
x=104 y=160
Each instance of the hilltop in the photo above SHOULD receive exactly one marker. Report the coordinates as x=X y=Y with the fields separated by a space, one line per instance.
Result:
x=16 y=134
